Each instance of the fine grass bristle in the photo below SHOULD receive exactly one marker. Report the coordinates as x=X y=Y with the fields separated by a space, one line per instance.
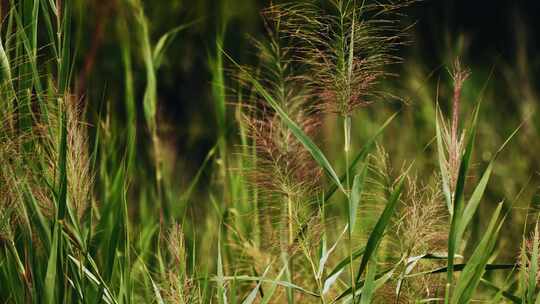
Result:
x=289 y=181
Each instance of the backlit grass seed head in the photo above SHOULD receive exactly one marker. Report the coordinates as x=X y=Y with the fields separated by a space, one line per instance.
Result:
x=16 y=172
x=459 y=76
x=526 y=253
x=309 y=232
x=420 y=228
x=8 y=183
x=346 y=45
x=423 y=219
x=79 y=175
x=30 y=137
x=283 y=166
x=9 y=203
x=285 y=175
x=177 y=287
x=453 y=137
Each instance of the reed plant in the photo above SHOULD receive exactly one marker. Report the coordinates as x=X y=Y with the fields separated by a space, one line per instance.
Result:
x=92 y=210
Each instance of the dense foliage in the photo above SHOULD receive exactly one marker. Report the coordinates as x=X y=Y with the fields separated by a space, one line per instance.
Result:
x=318 y=161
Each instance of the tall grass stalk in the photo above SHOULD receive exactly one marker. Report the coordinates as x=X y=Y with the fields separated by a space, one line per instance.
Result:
x=94 y=211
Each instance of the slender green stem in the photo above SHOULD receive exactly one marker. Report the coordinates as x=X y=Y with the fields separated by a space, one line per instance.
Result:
x=257 y=223
x=347 y=150
x=18 y=260
x=286 y=240
x=290 y=291
x=289 y=220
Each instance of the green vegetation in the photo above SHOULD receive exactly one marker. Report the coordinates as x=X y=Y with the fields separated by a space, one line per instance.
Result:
x=315 y=188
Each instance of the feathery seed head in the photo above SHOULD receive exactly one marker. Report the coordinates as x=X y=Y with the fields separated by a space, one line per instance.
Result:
x=346 y=48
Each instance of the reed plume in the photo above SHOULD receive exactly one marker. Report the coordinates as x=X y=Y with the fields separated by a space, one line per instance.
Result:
x=283 y=167
x=177 y=287
x=284 y=173
x=451 y=132
x=347 y=46
x=459 y=76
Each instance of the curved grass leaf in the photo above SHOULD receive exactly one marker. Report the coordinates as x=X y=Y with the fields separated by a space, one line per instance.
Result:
x=442 y=163
x=220 y=279
x=273 y=286
x=478 y=193
x=331 y=280
x=378 y=232
x=326 y=254
x=253 y=294
x=96 y=279
x=380 y=280
x=453 y=237
x=155 y=287
x=358 y=184
x=247 y=278
x=504 y=293
x=52 y=266
x=165 y=41
x=410 y=264
x=346 y=261
x=369 y=285
x=310 y=146
x=475 y=267
x=461 y=266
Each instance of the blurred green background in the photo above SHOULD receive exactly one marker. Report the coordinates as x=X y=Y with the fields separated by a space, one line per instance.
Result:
x=181 y=172
x=497 y=40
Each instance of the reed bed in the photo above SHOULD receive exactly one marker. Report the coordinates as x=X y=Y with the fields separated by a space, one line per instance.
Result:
x=301 y=199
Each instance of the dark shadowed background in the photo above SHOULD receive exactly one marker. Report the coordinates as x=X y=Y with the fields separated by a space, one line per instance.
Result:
x=492 y=32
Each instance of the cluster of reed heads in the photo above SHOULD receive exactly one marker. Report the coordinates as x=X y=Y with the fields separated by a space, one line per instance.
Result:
x=71 y=231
